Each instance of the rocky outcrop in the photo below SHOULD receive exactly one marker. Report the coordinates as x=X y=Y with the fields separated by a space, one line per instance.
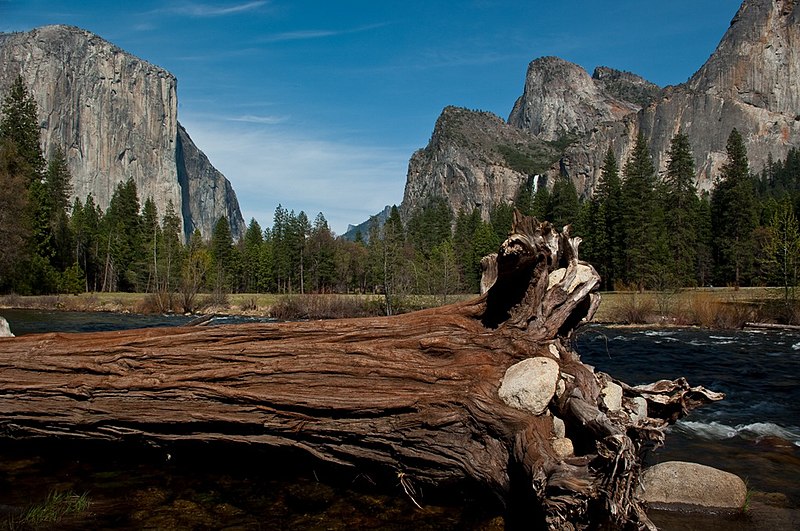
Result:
x=115 y=118
x=561 y=99
x=5 y=330
x=207 y=194
x=474 y=160
x=626 y=86
x=749 y=83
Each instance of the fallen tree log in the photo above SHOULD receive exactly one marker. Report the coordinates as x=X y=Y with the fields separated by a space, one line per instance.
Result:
x=488 y=390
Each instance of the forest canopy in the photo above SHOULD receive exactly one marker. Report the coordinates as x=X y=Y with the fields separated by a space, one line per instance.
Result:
x=639 y=230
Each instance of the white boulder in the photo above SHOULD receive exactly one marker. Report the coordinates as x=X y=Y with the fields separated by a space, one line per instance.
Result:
x=530 y=384
x=5 y=330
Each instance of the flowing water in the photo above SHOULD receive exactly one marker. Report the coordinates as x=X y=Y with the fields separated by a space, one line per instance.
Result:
x=754 y=433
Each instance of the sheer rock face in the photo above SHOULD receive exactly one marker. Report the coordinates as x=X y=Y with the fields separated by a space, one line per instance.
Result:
x=750 y=83
x=465 y=163
x=207 y=194
x=561 y=99
x=115 y=117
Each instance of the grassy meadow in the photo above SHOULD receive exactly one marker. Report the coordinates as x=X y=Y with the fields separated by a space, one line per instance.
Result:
x=707 y=307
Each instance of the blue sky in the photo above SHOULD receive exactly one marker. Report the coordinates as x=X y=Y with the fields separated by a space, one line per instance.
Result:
x=318 y=105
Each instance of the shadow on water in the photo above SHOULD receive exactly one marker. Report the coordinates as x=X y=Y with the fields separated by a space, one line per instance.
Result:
x=193 y=485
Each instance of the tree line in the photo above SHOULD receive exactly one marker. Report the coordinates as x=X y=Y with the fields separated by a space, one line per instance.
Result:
x=640 y=230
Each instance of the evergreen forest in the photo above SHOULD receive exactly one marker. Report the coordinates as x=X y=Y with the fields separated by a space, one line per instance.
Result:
x=640 y=230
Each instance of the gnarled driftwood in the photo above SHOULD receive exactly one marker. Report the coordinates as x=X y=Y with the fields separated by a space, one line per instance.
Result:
x=419 y=392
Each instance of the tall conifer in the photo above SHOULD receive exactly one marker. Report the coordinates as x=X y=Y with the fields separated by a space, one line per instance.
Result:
x=681 y=205
x=735 y=214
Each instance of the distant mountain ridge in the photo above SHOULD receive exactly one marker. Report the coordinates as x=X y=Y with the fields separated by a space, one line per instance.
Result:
x=115 y=117
x=565 y=120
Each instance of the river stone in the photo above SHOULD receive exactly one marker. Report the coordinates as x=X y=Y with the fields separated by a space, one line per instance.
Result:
x=612 y=396
x=559 y=428
x=530 y=384
x=638 y=409
x=562 y=446
x=5 y=330
x=554 y=351
x=680 y=484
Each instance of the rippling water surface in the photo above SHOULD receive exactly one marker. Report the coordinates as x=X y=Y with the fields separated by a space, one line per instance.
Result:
x=754 y=432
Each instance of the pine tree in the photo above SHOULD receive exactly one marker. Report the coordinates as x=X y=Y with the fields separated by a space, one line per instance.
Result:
x=252 y=253
x=641 y=219
x=394 y=285
x=299 y=229
x=170 y=249
x=467 y=260
x=19 y=128
x=501 y=217
x=564 y=204
x=321 y=252
x=783 y=251
x=20 y=124
x=121 y=235
x=524 y=200
x=542 y=208
x=604 y=231
x=704 y=267
x=147 y=264
x=734 y=210
x=222 y=257
x=681 y=203
x=430 y=225
x=14 y=227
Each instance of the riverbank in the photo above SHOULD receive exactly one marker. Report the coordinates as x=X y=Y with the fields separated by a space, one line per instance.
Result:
x=721 y=308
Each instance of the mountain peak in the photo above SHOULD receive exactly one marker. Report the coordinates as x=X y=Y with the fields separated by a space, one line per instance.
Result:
x=750 y=83
x=758 y=59
x=560 y=99
x=114 y=116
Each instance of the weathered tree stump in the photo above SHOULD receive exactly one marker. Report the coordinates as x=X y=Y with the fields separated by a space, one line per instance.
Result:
x=419 y=393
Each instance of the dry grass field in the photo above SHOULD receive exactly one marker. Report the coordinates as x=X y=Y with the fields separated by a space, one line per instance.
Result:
x=709 y=307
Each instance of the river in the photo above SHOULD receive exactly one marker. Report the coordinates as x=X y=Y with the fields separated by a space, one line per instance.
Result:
x=754 y=433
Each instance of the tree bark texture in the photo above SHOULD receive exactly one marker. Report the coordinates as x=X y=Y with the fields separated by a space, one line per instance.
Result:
x=417 y=393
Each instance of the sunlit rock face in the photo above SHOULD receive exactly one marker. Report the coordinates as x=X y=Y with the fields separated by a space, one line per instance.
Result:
x=560 y=98
x=464 y=162
x=115 y=117
x=750 y=83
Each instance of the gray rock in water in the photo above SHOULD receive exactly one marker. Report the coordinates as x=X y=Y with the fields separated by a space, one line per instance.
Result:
x=677 y=484
x=530 y=384
x=5 y=330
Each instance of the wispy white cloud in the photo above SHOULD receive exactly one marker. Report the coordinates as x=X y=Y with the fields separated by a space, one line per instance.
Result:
x=346 y=181
x=145 y=26
x=299 y=35
x=264 y=120
x=316 y=34
x=198 y=9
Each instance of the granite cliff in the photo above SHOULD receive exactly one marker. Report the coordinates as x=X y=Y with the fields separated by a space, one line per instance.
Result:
x=115 y=117
x=750 y=82
x=474 y=159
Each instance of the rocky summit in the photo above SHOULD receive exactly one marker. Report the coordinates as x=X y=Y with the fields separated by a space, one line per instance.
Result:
x=115 y=117
x=567 y=120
